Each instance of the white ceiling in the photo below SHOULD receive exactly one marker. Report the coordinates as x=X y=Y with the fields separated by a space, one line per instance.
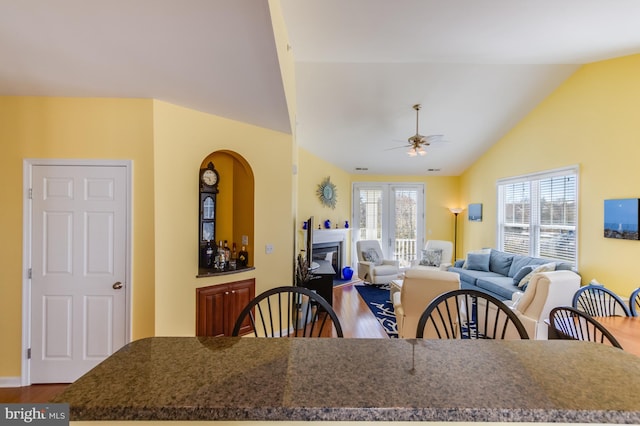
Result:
x=477 y=67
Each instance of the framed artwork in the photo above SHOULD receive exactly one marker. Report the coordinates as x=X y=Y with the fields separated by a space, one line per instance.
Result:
x=621 y=218
x=475 y=212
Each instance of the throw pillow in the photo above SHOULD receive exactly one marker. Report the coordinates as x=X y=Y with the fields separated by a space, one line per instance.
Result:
x=481 y=251
x=371 y=255
x=431 y=257
x=523 y=272
x=478 y=262
x=541 y=268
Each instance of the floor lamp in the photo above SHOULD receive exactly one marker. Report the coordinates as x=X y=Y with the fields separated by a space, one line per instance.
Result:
x=456 y=211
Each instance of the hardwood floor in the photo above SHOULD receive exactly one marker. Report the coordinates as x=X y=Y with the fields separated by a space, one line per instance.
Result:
x=33 y=393
x=355 y=317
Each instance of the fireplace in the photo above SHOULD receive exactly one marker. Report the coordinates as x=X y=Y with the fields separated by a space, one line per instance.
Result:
x=329 y=244
x=331 y=252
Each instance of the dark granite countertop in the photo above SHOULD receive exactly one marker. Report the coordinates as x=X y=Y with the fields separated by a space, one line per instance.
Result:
x=191 y=378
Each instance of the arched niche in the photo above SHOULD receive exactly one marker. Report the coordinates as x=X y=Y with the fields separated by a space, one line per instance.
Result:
x=234 y=203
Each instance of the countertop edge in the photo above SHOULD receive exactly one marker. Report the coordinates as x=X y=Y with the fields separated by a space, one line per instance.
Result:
x=358 y=414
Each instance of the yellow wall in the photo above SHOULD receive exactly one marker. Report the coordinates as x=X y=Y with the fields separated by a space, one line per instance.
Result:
x=183 y=138
x=35 y=127
x=312 y=171
x=591 y=121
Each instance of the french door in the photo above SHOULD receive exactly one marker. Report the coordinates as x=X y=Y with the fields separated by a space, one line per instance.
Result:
x=392 y=213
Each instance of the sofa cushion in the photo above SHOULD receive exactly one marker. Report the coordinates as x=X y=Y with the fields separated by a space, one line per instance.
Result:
x=500 y=286
x=519 y=261
x=546 y=267
x=500 y=262
x=479 y=251
x=470 y=276
x=431 y=257
x=524 y=271
x=478 y=262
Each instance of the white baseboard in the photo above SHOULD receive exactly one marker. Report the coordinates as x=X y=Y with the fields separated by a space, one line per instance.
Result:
x=10 y=382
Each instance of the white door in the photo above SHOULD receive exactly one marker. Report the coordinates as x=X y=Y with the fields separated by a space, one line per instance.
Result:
x=392 y=214
x=78 y=268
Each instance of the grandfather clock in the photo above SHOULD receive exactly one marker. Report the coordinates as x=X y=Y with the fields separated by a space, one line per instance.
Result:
x=209 y=180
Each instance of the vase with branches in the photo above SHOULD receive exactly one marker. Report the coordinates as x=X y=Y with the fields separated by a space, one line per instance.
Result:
x=303 y=274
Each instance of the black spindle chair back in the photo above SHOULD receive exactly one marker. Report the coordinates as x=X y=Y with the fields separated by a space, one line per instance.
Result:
x=573 y=324
x=469 y=314
x=290 y=311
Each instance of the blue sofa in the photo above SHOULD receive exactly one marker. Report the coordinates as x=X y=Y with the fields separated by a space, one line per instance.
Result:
x=496 y=276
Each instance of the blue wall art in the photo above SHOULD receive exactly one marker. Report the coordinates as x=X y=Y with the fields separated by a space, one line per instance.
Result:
x=475 y=212
x=621 y=218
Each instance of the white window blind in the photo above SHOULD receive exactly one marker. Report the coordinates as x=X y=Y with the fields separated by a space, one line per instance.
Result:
x=538 y=215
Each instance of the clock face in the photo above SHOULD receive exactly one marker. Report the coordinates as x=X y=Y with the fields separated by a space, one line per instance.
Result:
x=209 y=177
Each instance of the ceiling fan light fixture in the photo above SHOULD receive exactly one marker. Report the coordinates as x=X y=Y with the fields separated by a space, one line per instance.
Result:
x=412 y=152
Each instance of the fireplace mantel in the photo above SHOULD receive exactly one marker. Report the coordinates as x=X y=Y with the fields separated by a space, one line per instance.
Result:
x=330 y=235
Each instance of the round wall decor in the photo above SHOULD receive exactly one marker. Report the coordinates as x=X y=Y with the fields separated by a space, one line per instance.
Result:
x=327 y=193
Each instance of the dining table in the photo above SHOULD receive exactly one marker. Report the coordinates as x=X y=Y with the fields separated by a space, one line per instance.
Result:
x=230 y=380
x=626 y=330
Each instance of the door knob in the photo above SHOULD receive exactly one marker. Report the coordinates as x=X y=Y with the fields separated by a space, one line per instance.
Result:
x=117 y=285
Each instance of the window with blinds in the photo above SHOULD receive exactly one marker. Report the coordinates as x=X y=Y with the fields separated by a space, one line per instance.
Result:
x=538 y=215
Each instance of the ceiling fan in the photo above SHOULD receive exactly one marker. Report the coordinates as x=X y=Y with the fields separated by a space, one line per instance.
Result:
x=417 y=142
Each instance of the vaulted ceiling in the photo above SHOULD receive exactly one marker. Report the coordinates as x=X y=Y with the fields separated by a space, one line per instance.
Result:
x=476 y=67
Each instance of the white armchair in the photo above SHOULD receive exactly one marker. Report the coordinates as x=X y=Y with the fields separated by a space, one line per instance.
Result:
x=372 y=268
x=545 y=291
x=419 y=288
x=446 y=252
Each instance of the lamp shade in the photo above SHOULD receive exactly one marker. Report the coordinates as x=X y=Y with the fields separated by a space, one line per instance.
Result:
x=456 y=210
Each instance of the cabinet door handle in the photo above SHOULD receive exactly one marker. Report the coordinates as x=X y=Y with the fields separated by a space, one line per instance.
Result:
x=226 y=292
x=233 y=292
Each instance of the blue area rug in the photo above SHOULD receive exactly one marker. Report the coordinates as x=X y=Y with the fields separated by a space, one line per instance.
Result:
x=377 y=299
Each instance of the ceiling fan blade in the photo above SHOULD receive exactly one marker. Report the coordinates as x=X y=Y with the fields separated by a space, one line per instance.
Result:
x=398 y=147
x=434 y=139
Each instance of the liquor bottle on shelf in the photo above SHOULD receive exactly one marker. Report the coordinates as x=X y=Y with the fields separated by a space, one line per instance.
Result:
x=221 y=257
x=243 y=257
x=227 y=254
x=208 y=255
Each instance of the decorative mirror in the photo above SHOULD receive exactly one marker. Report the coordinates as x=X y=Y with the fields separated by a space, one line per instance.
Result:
x=327 y=193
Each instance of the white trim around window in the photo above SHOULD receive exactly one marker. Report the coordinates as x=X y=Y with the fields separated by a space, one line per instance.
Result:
x=538 y=214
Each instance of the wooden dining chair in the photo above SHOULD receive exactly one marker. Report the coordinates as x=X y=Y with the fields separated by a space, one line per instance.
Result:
x=634 y=302
x=599 y=301
x=469 y=314
x=290 y=311
x=572 y=324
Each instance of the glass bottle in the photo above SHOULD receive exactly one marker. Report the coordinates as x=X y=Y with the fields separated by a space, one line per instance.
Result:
x=208 y=256
x=221 y=257
x=227 y=254
x=243 y=257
